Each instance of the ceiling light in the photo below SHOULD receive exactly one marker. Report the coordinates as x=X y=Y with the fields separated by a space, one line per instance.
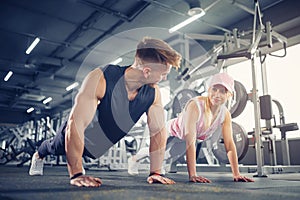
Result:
x=32 y=46
x=29 y=110
x=72 y=86
x=195 y=11
x=8 y=75
x=117 y=61
x=187 y=21
x=47 y=100
x=195 y=7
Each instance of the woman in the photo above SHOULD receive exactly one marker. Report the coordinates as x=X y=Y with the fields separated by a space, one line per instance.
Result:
x=201 y=118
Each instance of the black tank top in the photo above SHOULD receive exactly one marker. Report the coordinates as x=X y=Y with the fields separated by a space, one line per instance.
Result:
x=116 y=114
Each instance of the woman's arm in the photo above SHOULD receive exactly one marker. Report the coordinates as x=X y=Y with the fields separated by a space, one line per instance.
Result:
x=190 y=118
x=231 y=149
x=230 y=145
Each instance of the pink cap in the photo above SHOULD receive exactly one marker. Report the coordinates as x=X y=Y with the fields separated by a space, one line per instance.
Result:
x=222 y=79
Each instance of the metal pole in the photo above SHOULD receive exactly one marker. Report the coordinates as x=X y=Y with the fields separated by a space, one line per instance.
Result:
x=272 y=138
x=255 y=100
x=186 y=51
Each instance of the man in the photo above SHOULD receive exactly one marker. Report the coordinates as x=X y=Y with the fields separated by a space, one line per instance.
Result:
x=118 y=94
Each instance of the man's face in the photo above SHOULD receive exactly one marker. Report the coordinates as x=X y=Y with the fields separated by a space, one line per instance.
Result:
x=158 y=72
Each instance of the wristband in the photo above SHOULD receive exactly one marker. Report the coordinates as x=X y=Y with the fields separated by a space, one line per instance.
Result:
x=155 y=173
x=76 y=175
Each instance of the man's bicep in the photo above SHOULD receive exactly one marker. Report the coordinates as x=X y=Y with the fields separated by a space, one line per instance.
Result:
x=155 y=115
x=155 y=118
x=86 y=101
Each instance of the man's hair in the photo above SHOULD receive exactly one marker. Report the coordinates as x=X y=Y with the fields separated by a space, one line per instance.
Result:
x=157 y=51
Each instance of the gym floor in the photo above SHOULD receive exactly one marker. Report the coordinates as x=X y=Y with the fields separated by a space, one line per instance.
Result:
x=15 y=183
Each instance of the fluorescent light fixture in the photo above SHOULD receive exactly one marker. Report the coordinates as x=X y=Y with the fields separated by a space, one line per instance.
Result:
x=29 y=110
x=8 y=75
x=186 y=22
x=47 y=100
x=72 y=86
x=117 y=61
x=32 y=46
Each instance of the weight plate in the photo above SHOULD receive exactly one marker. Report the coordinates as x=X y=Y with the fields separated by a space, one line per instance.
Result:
x=240 y=138
x=240 y=99
x=181 y=98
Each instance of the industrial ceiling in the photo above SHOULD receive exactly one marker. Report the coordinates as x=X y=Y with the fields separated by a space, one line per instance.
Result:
x=79 y=35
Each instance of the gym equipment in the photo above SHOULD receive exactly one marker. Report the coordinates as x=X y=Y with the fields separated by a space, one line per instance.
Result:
x=240 y=138
x=21 y=141
x=131 y=144
x=240 y=99
x=284 y=128
x=181 y=98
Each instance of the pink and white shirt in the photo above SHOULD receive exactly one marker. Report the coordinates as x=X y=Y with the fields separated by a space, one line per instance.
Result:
x=176 y=125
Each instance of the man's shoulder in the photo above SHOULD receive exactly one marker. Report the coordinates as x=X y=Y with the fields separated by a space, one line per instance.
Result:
x=113 y=72
x=110 y=68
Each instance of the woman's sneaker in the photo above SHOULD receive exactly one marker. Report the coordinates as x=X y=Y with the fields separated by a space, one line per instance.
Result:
x=133 y=167
x=37 y=165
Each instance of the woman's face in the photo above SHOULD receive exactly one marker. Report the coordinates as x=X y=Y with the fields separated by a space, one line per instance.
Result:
x=218 y=95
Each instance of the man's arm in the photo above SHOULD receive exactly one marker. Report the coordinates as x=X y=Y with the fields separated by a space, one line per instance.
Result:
x=81 y=115
x=158 y=138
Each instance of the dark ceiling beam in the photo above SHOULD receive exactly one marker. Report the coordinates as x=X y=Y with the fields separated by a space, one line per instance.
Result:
x=20 y=76
x=98 y=39
x=14 y=116
x=83 y=27
x=139 y=8
x=32 y=90
x=47 y=40
x=24 y=102
x=38 y=12
x=36 y=76
x=34 y=61
x=105 y=10
x=87 y=24
x=133 y=14
x=62 y=106
x=17 y=88
x=172 y=10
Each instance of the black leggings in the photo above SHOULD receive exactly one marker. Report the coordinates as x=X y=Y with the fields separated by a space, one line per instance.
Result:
x=56 y=145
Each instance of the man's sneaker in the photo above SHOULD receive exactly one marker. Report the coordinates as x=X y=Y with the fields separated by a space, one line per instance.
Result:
x=163 y=171
x=83 y=170
x=37 y=166
x=133 y=167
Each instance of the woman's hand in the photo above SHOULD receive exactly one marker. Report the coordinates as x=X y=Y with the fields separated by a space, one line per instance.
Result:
x=241 y=178
x=199 y=179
